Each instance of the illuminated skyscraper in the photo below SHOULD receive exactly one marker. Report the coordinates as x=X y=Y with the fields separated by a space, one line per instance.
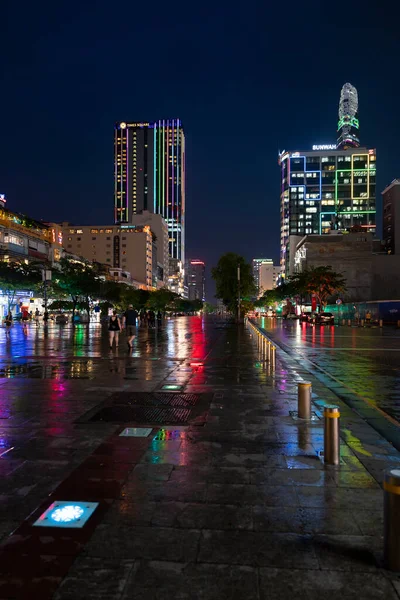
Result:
x=195 y=279
x=331 y=188
x=348 y=124
x=149 y=174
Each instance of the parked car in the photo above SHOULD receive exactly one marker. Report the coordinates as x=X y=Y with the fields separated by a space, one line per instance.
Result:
x=305 y=317
x=324 y=318
x=61 y=319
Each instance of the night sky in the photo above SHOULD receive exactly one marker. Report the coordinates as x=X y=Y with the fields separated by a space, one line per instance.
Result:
x=246 y=79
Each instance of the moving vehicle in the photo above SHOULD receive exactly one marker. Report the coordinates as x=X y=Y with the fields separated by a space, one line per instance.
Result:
x=324 y=318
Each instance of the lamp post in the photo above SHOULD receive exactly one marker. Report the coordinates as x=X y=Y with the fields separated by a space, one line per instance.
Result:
x=46 y=277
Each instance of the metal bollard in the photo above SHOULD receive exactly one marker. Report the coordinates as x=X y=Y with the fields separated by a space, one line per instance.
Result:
x=304 y=391
x=380 y=323
x=331 y=435
x=362 y=322
x=349 y=322
x=391 y=519
x=273 y=356
x=268 y=351
x=343 y=321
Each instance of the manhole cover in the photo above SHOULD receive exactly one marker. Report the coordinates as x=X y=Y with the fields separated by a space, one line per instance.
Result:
x=150 y=408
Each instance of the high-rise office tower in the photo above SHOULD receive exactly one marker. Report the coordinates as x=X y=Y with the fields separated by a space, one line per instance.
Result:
x=330 y=188
x=149 y=174
x=265 y=274
x=348 y=124
x=195 y=278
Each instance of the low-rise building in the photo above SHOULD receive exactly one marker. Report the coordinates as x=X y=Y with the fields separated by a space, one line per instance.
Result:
x=159 y=228
x=28 y=240
x=126 y=248
x=370 y=273
x=391 y=216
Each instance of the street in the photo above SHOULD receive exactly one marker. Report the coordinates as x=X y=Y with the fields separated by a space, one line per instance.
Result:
x=366 y=361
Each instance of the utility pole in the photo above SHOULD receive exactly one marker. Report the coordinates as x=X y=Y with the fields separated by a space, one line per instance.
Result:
x=238 y=278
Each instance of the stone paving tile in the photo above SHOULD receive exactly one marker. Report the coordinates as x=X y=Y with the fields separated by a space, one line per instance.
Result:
x=304 y=520
x=346 y=552
x=210 y=474
x=95 y=578
x=257 y=549
x=151 y=543
x=330 y=497
x=252 y=494
x=370 y=522
x=292 y=477
x=285 y=584
x=155 y=580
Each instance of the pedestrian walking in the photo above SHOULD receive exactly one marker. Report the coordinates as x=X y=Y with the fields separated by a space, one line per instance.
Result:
x=25 y=318
x=368 y=318
x=45 y=317
x=8 y=323
x=159 y=318
x=151 y=317
x=143 y=316
x=37 y=315
x=129 y=322
x=114 y=327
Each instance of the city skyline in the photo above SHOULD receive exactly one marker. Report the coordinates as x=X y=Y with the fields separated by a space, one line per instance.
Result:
x=237 y=103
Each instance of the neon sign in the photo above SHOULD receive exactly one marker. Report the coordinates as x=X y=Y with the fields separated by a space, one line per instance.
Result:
x=324 y=147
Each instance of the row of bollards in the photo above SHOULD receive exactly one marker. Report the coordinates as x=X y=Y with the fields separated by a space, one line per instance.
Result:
x=391 y=483
x=265 y=346
x=331 y=422
x=362 y=322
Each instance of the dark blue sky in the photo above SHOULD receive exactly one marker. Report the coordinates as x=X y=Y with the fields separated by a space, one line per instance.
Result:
x=246 y=79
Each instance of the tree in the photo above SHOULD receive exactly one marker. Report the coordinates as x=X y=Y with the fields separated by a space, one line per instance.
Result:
x=16 y=276
x=321 y=282
x=225 y=275
x=79 y=281
x=161 y=299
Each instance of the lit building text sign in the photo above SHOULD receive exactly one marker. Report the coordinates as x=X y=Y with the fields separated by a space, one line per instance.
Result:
x=324 y=147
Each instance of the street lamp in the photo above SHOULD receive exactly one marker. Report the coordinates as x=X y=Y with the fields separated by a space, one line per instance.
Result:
x=46 y=277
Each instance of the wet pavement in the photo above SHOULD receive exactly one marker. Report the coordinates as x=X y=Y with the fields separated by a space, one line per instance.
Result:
x=234 y=503
x=362 y=365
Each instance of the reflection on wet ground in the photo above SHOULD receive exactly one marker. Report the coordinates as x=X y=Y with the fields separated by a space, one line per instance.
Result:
x=235 y=503
x=366 y=361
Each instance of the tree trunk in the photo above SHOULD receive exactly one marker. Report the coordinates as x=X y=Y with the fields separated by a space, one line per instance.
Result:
x=88 y=308
x=74 y=303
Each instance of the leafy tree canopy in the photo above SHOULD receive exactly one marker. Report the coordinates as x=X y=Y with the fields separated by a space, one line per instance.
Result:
x=225 y=275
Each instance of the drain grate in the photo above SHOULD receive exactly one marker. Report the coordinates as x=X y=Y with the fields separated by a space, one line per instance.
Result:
x=142 y=414
x=153 y=399
x=156 y=408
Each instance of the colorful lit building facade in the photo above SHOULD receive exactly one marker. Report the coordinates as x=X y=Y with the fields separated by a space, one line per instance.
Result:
x=149 y=175
x=326 y=189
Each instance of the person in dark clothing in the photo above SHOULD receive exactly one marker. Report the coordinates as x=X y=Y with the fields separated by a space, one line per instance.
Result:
x=159 y=318
x=143 y=319
x=151 y=316
x=129 y=321
x=114 y=327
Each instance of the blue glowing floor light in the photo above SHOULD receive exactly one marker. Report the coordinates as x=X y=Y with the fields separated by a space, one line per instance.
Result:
x=67 y=514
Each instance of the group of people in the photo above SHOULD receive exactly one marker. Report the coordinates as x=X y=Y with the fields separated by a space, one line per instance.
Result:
x=129 y=322
x=26 y=317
